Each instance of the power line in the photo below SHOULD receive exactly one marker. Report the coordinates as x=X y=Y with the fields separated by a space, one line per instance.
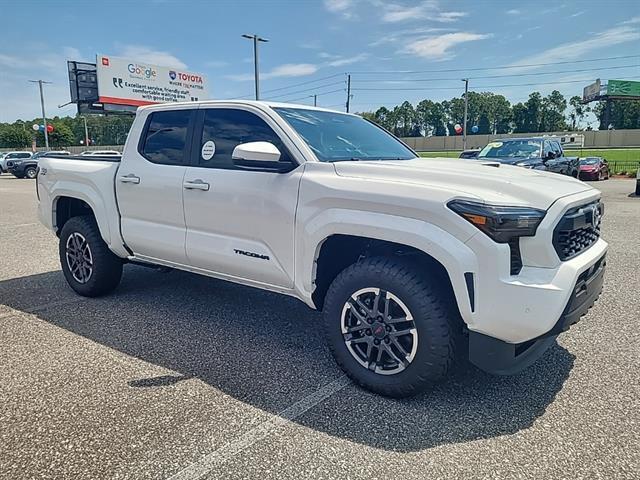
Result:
x=311 y=96
x=369 y=80
x=288 y=94
x=477 y=87
x=495 y=68
x=293 y=85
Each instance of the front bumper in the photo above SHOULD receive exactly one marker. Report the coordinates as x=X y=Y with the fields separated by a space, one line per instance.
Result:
x=501 y=358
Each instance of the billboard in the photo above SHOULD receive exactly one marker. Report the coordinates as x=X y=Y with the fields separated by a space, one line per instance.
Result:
x=123 y=81
x=591 y=92
x=623 y=88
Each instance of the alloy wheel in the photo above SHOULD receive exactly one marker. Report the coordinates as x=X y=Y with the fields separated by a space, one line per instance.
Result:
x=79 y=257
x=379 y=331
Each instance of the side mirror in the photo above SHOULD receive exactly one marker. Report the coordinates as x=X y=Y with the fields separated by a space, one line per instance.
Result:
x=259 y=156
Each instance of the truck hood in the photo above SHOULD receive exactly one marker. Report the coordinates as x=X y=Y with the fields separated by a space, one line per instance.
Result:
x=490 y=182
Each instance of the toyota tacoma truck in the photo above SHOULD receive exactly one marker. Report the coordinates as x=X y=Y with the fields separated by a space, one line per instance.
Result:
x=413 y=262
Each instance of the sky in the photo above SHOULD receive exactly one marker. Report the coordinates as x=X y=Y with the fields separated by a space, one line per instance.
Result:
x=314 y=43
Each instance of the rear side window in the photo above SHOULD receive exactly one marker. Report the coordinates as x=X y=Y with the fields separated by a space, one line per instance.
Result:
x=224 y=128
x=166 y=137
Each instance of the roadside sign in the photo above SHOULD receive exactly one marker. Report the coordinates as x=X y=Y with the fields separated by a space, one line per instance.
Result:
x=123 y=81
x=623 y=88
x=591 y=92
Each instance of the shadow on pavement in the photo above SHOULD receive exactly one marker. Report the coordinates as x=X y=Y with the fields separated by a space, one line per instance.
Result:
x=268 y=350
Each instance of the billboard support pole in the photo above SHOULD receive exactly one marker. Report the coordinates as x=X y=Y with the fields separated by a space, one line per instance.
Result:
x=44 y=116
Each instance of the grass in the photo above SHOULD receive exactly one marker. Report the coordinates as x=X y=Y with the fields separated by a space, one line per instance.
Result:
x=621 y=160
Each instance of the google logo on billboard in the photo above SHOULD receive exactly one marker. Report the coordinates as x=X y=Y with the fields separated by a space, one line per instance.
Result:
x=146 y=72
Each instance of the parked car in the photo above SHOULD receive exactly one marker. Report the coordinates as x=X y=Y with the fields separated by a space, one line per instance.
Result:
x=13 y=156
x=469 y=154
x=28 y=167
x=101 y=153
x=412 y=261
x=539 y=153
x=49 y=152
x=594 y=168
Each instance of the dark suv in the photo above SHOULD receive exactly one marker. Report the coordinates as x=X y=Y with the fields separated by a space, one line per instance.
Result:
x=28 y=167
x=540 y=153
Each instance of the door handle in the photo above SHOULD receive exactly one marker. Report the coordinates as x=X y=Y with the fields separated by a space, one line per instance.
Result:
x=196 y=184
x=131 y=178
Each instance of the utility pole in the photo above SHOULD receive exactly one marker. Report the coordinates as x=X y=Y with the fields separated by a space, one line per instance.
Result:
x=86 y=132
x=315 y=100
x=44 y=116
x=348 y=92
x=256 y=73
x=466 y=108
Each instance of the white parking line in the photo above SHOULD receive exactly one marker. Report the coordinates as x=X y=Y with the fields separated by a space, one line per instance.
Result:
x=209 y=462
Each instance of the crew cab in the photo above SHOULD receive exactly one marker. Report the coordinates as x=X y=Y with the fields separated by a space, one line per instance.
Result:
x=414 y=262
x=538 y=153
x=12 y=156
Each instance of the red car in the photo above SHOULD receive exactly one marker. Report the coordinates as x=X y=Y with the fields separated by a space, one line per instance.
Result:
x=594 y=168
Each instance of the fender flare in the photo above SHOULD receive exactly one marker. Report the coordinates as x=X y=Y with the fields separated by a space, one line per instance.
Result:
x=453 y=254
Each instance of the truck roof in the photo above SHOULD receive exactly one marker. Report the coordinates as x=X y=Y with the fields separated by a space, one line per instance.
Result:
x=255 y=103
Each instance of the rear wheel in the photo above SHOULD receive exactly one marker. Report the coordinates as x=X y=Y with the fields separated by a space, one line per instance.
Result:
x=389 y=328
x=89 y=267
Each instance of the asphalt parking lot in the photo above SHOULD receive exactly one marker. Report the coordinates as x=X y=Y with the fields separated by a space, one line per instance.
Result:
x=183 y=377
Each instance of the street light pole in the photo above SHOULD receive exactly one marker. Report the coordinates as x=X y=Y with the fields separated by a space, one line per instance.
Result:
x=44 y=116
x=466 y=107
x=256 y=72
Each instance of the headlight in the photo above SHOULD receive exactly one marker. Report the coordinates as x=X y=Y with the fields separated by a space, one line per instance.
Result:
x=525 y=165
x=500 y=223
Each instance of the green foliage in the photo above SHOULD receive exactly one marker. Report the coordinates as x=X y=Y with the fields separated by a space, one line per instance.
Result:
x=68 y=131
x=14 y=136
x=491 y=113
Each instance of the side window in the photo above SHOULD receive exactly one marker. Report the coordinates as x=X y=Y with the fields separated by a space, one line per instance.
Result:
x=546 y=149
x=223 y=129
x=24 y=155
x=166 y=137
x=557 y=149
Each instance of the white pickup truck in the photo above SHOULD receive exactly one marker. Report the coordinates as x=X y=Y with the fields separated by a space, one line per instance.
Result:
x=413 y=261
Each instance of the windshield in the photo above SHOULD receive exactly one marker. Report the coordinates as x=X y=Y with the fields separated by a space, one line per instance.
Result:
x=335 y=137
x=589 y=161
x=512 y=149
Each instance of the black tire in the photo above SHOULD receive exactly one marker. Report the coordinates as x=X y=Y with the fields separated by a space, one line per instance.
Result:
x=30 y=172
x=435 y=321
x=106 y=268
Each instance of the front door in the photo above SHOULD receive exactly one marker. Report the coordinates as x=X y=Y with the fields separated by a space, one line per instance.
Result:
x=240 y=223
x=149 y=186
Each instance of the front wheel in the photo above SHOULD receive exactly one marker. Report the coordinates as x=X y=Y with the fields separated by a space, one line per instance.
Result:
x=89 y=267
x=30 y=172
x=389 y=327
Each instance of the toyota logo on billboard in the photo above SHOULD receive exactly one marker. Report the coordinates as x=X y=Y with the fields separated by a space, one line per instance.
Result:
x=172 y=75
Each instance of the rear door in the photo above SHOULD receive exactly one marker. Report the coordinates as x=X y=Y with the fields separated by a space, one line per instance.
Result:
x=240 y=223
x=149 y=186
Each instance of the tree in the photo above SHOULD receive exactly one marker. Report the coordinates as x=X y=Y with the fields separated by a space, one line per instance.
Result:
x=552 y=113
x=578 y=112
x=14 y=136
x=624 y=114
x=62 y=136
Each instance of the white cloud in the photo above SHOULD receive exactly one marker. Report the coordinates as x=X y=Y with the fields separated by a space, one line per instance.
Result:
x=342 y=61
x=513 y=11
x=155 y=57
x=439 y=47
x=286 y=70
x=574 y=50
x=429 y=10
x=216 y=63
x=341 y=7
x=577 y=14
x=631 y=21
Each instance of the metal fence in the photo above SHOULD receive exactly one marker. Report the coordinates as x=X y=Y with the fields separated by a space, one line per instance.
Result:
x=624 y=166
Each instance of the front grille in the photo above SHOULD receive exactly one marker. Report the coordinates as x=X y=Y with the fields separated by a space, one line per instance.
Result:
x=578 y=229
